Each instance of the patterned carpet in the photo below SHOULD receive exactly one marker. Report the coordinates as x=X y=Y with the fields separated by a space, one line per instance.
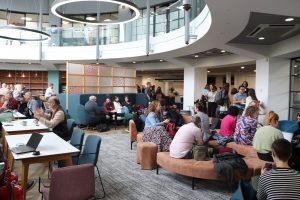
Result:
x=123 y=179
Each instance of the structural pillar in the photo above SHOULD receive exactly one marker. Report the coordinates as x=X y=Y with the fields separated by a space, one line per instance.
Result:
x=272 y=84
x=194 y=81
x=228 y=78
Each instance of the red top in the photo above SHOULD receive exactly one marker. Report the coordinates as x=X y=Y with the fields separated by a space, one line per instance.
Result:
x=228 y=125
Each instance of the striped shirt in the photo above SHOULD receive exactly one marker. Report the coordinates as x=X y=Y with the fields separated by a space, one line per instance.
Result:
x=280 y=183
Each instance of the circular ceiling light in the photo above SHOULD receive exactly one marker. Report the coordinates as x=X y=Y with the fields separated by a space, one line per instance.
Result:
x=242 y=67
x=196 y=56
x=23 y=34
x=261 y=38
x=223 y=51
x=124 y=5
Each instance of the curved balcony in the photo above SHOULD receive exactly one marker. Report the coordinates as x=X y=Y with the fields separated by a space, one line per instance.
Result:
x=78 y=42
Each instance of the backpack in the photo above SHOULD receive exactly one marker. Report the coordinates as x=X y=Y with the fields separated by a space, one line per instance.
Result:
x=220 y=98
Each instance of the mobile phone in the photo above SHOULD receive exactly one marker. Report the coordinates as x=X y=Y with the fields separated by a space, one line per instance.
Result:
x=268 y=166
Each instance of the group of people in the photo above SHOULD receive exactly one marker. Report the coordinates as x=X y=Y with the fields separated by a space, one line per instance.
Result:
x=151 y=92
x=239 y=125
x=55 y=118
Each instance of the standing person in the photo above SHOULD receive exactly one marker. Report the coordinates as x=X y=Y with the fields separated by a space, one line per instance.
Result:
x=148 y=91
x=246 y=126
x=212 y=105
x=239 y=99
x=266 y=135
x=199 y=110
x=56 y=120
x=245 y=84
x=280 y=182
x=50 y=91
x=138 y=89
x=154 y=130
x=186 y=136
x=251 y=97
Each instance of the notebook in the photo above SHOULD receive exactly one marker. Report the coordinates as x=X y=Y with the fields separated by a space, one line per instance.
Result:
x=288 y=136
x=31 y=145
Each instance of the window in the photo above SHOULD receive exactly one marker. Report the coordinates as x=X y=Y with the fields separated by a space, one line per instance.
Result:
x=294 y=107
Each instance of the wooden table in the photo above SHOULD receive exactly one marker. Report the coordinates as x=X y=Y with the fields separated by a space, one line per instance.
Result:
x=16 y=127
x=51 y=148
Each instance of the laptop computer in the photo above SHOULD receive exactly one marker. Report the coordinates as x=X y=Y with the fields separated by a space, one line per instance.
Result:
x=31 y=145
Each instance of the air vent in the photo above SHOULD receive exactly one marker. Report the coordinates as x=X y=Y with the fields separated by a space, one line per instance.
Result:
x=273 y=30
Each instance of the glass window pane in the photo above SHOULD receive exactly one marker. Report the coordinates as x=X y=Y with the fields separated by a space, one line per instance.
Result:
x=17 y=19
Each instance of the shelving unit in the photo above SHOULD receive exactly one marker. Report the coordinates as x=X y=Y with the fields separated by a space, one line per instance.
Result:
x=35 y=81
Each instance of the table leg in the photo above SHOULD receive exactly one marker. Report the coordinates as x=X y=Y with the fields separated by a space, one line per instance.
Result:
x=69 y=161
x=24 y=177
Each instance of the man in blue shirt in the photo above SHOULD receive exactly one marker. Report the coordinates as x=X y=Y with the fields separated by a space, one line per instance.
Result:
x=239 y=98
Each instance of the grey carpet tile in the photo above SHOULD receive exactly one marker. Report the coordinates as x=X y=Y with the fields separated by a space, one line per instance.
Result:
x=124 y=180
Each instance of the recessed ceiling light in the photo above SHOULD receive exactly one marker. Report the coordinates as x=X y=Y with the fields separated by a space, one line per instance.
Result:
x=261 y=38
x=26 y=18
x=289 y=19
x=91 y=18
x=254 y=70
x=133 y=62
x=196 y=56
x=65 y=22
x=295 y=66
x=242 y=67
x=107 y=20
x=223 y=51
x=208 y=71
x=161 y=60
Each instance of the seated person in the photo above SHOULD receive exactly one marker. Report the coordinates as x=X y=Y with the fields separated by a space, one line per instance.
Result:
x=56 y=120
x=199 y=110
x=94 y=110
x=246 y=126
x=280 y=182
x=154 y=130
x=228 y=124
x=31 y=105
x=127 y=103
x=186 y=136
x=9 y=102
x=117 y=105
x=297 y=132
x=109 y=109
x=266 y=135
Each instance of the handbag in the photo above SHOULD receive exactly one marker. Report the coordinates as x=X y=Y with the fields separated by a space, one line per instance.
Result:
x=223 y=108
x=6 y=115
x=200 y=152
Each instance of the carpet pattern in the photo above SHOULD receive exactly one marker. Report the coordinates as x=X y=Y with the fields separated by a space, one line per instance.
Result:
x=123 y=178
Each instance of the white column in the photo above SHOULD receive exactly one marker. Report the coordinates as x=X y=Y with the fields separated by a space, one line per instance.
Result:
x=272 y=84
x=166 y=87
x=121 y=33
x=194 y=80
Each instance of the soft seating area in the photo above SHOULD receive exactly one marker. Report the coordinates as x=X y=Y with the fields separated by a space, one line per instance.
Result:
x=77 y=112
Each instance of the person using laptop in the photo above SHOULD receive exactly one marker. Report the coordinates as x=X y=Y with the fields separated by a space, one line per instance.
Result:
x=279 y=182
x=56 y=120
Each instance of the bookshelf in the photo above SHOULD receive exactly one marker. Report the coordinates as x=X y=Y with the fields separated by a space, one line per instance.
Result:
x=35 y=81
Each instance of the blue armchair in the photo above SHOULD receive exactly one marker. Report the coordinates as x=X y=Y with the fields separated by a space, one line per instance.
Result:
x=84 y=118
x=288 y=126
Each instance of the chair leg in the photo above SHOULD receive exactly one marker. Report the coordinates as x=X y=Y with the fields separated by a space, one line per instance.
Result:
x=101 y=183
x=131 y=145
x=193 y=183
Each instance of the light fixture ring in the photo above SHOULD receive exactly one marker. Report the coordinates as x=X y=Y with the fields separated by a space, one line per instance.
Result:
x=57 y=4
x=43 y=36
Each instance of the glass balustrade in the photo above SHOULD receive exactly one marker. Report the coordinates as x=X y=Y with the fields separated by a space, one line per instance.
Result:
x=163 y=19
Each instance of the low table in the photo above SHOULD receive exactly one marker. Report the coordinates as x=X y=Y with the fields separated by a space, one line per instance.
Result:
x=51 y=148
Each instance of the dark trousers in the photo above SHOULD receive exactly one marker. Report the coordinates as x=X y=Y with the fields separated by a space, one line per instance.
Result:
x=212 y=107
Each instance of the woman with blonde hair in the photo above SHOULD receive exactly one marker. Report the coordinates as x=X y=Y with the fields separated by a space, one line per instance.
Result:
x=246 y=126
x=265 y=136
x=154 y=130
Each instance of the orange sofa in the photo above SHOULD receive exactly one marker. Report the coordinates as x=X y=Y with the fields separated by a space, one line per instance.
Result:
x=205 y=169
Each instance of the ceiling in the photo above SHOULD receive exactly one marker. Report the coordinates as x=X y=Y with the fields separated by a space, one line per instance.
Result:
x=207 y=54
x=273 y=28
